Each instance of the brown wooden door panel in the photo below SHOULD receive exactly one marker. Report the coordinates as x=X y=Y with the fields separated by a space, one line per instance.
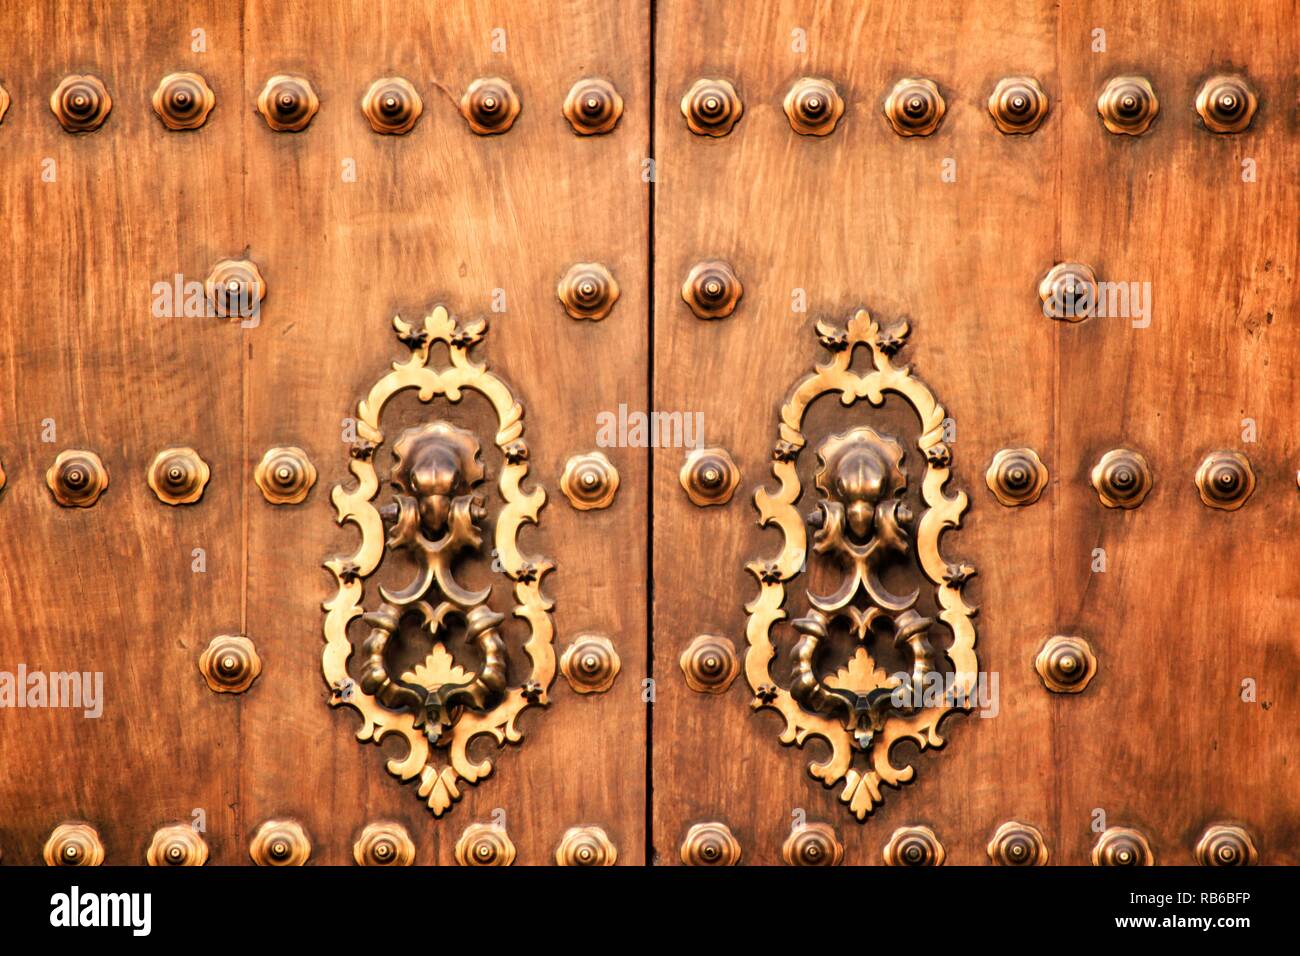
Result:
x=952 y=231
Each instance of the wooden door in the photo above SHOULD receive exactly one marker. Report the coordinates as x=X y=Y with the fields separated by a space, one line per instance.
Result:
x=348 y=227
x=1180 y=725
x=752 y=355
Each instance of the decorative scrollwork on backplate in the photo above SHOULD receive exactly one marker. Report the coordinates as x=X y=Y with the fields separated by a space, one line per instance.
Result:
x=436 y=514
x=862 y=524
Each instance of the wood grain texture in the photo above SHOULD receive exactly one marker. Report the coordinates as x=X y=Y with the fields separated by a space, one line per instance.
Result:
x=862 y=217
x=439 y=215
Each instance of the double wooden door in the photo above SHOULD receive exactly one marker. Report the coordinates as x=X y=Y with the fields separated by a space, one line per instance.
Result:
x=405 y=426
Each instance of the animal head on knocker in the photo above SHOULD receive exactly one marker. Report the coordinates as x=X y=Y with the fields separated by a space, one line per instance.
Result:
x=435 y=514
x=861 y=519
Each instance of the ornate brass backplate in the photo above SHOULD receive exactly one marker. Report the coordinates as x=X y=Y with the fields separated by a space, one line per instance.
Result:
x=863 y=526
x=436 y=516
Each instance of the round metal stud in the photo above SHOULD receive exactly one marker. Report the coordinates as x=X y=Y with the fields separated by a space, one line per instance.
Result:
x=710 y=664
x=588 y=291
x=590 y=664
x=813 y=844
x=235 y=288
x=230 y=664
x=712 y=289
x=1016 y=476
x=1068 y=291
x=77 y=478
x=1128 y=105
x=1225 y=845
x=1018 y=104
x=73 y=844
x=914 y=107
x=178 y=476
x=177 y=845
x=1066 y=664
x=710 y=844
x=4 y=103
x=183 y=100
x=1018 y=844
x=589 y=481
x=280 y=843
x=484 y=844
x=585 y=846
x=593 y=106
x=1226 y=104
x=1225 y=480
x=81 y=103
x=711 y=107
x=288 y=103
x=285 y=474
x=709 y=476
x=384 y=844
x=1122 y=846
x=814 y=107
x=392 y=106
x=1122 y=478
x=490 y=106
x=913 y=846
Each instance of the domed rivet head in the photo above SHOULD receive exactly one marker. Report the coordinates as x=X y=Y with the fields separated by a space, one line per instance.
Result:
x=73 y=844
x=711 y=107
x=1122 y=478
x=589 y=481
x=712 y=289
x=1122 y=846
x=280 y=843
x=1226 y=104
x=590 y=664
x=585 y=846
x=914 y=107
x=1068 y=291
x=384 y=844
x=484 y=844
x=913 y=846
x=1016 y=476
x=710 y=844
x=1066 y=664
x=593 y=106
x=1128 y=105
x=1225 y=480
x=392 y=106
x=588 y=290
x=235 y=289
x=177 y=845
x=710 y=664
x=288 y=103
x=178 y=476
x=709 y=476
x=77 y=478
x=1018 y=844
x=4 y=103
x=814 y=107
x=490 y=106
x=230 y=664
x=285 y=475
x=1224 y=845
x=813 y=844
x=81 y=103
x=1018 y=104
x=183 y=100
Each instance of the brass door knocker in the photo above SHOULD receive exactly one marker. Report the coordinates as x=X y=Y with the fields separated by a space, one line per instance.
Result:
x=437 y=515
x=861 y=528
